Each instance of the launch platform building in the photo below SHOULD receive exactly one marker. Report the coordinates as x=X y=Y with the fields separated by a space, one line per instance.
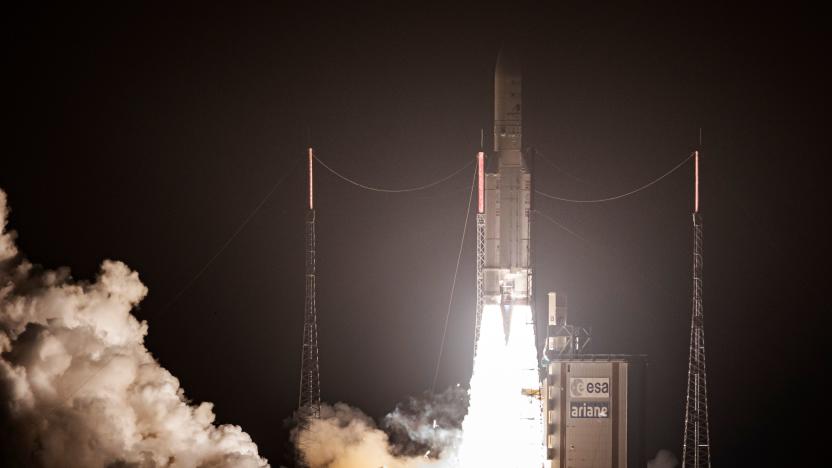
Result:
x=593 y=404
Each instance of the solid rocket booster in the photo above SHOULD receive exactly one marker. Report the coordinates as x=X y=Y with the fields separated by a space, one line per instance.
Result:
x=507 y=269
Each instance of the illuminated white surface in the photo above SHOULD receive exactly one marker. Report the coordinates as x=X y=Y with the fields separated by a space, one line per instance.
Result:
x=504 y=426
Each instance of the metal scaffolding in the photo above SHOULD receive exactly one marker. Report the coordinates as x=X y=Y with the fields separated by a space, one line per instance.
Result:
x=696 y=450
x=480 y=279
x=480 y=247
x=309 y=399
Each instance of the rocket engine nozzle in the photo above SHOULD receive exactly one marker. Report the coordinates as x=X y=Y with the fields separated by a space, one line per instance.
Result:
x=506 y=303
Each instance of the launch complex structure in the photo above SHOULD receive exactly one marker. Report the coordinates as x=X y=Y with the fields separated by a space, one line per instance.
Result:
x=564 y=408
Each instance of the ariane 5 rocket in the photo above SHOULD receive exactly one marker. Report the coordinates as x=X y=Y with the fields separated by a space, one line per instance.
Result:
x=507 y=272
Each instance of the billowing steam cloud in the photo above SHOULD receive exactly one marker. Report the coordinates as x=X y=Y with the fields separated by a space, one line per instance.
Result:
x=431 y=423
x=664 y=459
x=423 y=432
x=344 y=437
x=78 y=387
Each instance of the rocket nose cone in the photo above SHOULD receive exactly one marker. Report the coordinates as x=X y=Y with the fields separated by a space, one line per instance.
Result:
x=508 y=61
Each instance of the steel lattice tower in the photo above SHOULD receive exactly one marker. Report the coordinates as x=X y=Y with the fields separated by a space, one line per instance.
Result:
x=309 y=399
x=480 y=246
x=696 y=450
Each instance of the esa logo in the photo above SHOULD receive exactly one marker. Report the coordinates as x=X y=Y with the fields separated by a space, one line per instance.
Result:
x=589 y=387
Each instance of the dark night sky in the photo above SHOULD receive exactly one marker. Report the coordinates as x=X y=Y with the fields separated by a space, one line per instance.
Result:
x=148 y=134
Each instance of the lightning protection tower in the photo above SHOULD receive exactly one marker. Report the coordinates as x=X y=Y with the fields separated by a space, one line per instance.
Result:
x=309 y=399
x=480 y=246
x=696 y=450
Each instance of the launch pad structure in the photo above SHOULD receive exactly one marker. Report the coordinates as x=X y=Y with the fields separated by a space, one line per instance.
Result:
x=593 y=403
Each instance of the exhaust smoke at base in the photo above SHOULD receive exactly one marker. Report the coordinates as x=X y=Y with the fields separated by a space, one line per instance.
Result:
x=77 y=385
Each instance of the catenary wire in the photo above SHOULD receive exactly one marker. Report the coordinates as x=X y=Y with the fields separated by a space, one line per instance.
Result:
x=453 y=283
x=599 y=249
x=558 y=224
x=560 y=169
x=623 y=195
x=231 y=238
x=195 y=277
x=388 y=190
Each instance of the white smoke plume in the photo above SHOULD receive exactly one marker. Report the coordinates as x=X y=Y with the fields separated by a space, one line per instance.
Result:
x=425 y=434
x=344 y=437
x=77 y=385
x=430 y=422
x=663 y=459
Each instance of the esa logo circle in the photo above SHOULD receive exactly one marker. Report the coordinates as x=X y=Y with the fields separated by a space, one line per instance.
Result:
x=581 y=387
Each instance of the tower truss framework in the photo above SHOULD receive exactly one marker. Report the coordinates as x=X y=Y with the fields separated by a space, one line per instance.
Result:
x=696 y=449
x=480 y=290
x=309 y=398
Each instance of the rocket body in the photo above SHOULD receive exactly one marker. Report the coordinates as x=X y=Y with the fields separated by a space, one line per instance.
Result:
x=507 y=272
x=505 y=408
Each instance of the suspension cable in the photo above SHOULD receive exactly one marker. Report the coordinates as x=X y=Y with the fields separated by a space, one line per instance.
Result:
x=623 y=195
x=560 y=169
x=558 y=224
x=389 y=190
x=231 y=238
x=453 y=283
x=190 y=283
x=599 y=249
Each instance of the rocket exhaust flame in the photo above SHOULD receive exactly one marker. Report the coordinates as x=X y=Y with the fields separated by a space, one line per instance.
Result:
x=504 y=425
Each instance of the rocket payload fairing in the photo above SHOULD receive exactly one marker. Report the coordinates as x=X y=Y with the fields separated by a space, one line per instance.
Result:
x=507 y=273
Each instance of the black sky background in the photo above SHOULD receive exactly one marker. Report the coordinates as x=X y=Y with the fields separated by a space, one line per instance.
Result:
x=147 y=133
